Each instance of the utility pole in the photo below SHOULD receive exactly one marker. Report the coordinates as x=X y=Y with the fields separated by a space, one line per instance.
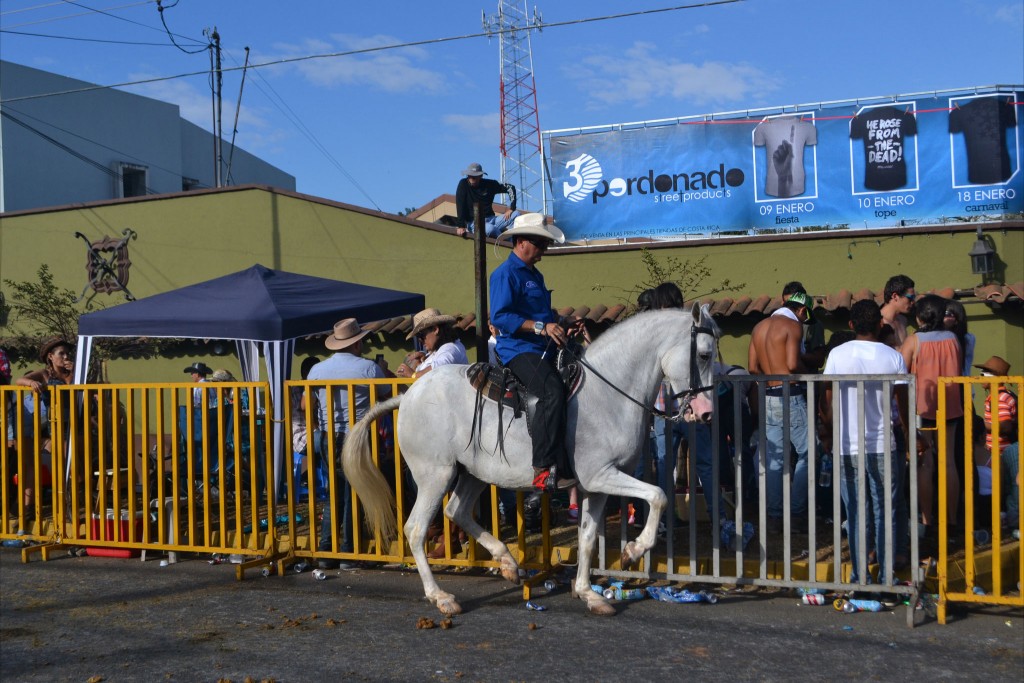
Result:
x=217 y=81
x=520 y=124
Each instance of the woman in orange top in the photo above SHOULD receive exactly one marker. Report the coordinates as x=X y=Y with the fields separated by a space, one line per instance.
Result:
x=932 y=352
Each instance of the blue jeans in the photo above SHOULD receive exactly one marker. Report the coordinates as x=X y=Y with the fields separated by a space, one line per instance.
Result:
x=775 y=434
x=343 y=495
x=1010 y=466
x=874 y=479
x=705 y=466
x=660 y=428
x=495 y=225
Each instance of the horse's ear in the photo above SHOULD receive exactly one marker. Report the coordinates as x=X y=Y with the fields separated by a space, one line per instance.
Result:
x=696 y=311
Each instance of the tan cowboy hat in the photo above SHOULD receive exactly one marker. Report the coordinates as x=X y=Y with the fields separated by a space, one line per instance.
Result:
x=533 y=225
x=50 y=344
x=996 y=365
x=428 y=317
x=221 y=375
x=346 y=333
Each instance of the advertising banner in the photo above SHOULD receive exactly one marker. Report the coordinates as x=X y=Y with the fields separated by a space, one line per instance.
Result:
x=901 y=161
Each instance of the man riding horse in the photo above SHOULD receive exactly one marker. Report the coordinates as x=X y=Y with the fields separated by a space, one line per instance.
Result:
x=528 y=332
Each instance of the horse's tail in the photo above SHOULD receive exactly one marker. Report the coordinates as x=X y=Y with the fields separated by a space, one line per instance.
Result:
x=364 y=476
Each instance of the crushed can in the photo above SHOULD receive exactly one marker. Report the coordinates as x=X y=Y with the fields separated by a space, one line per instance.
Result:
x=550 y=585
x=319 y=574
x=814 y=599
x=300 y=567
x=265 y=572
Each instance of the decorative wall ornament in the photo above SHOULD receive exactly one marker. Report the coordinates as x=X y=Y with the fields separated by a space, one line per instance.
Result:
x=107 y=264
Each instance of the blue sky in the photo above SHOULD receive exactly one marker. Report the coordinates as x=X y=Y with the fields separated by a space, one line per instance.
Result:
x=392 y=129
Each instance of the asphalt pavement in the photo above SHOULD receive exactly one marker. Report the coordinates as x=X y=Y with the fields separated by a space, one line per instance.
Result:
x=99 y=619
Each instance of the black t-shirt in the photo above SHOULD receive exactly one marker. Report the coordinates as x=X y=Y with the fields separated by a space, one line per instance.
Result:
x=884 y=131
x=983 y=122
x=466 y=196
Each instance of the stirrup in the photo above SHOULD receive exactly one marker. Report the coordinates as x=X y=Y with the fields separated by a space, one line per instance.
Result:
x=543 y=479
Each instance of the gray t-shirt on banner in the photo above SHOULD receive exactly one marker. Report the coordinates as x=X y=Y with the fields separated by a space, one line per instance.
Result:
x=784 y=139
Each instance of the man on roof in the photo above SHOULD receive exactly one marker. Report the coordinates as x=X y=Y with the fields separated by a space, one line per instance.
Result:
x=473 y=189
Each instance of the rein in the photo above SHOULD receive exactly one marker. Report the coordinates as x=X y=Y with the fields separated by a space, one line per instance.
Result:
x=686 y=394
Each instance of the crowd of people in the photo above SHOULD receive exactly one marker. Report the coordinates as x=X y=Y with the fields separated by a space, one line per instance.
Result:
x=924 y=336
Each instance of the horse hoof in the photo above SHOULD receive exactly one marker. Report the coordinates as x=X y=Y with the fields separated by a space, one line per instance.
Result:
x=511 y=573
x=596 y=603
x=602 y=609
x=448 y=606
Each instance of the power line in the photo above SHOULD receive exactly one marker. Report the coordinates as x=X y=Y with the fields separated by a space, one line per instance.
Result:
x=81 y=156
x=73 y=152
x=84 y=40
x=379 y=48
x=71 y=16
x=282 y=106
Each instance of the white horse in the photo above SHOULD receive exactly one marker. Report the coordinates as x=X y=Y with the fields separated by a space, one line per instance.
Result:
x=606 y=429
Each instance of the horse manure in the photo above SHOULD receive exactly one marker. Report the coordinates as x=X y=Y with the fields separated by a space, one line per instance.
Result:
x=447 y=624
x=533 y=626
x=425 y=622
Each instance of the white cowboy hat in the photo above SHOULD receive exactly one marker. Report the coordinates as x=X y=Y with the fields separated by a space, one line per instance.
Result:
x=346 y=333
x=428 y=317
x=533 y=225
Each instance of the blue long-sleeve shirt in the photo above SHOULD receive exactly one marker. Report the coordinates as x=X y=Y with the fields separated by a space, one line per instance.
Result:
x=518 y=294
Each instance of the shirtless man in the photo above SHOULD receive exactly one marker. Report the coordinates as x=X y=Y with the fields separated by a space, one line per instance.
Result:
x=775 y=350
x=899 y=299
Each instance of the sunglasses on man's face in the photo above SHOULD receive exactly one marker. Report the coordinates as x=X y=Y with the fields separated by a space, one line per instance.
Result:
x=911 y=296
x=539 y=243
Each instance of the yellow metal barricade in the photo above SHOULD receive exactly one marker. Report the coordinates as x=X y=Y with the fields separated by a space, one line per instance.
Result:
x=307 y=501
x=150 y=467
x=989 y=573
x=27 y=473
x=179 y=467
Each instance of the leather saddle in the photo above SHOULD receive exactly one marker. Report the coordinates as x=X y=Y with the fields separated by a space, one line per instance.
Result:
x=497 y=383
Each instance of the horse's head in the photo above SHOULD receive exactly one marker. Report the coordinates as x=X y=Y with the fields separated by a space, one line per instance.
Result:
x=689 y=367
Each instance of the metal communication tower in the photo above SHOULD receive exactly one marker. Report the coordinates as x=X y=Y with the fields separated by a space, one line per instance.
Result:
x=520 y=125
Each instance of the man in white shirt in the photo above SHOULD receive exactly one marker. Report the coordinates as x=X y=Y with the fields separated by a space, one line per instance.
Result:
x=865 y=355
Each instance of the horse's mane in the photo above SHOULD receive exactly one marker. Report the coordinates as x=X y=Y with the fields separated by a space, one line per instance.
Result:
x=626 y=332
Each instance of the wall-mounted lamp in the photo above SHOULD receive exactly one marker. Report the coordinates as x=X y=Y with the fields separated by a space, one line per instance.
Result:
x=982 y=256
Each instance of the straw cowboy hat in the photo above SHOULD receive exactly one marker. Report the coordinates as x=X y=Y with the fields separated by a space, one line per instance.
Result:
x=996 y=365
x=220 y=375
x=428 y=317
x=346 y=333
x=532 y=225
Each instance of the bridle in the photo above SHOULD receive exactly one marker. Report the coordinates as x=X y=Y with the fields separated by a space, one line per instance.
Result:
x=687 y=395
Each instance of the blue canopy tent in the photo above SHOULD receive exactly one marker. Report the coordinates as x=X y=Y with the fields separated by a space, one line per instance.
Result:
x=261 y=310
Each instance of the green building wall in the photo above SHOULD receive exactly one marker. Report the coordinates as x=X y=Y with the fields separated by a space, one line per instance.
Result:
x=189 y=238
